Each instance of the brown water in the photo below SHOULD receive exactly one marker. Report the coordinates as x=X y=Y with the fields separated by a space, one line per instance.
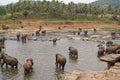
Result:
x=43 y=53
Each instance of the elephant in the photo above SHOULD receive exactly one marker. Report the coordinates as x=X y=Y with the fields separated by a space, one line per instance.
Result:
x=118 y=51
x=2 y=40
x=5 y=27
x=79 y=31
x=94 y=29
x=43 y=32
x=74 y=32
x=28 y=65
x=59 y=28
x=40 y=27
x=21 y=27
x=1 y=46
x=73 y=52
x=113 y=34
x=60 y=61
x=37 y=32
x=23 y=38
x=112 y=49
x=9 y=60
x=109 y=43
x=85 y=33
x=54 y=40
x=101 y=50
x=0 y=57
x=2 y=43
x=18 y=36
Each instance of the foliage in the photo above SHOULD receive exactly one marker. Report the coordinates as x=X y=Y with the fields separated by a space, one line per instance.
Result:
x=25 y=13
x=58 y=10
x=2 y=10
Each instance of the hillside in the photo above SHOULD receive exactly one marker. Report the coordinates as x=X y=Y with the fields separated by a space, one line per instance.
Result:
x=115 y=3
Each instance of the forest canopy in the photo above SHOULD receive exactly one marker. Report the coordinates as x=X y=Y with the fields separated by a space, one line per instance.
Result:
x=55 y=10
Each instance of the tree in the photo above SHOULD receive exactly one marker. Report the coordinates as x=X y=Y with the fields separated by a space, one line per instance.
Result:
x=25 y=13
x=2 y=10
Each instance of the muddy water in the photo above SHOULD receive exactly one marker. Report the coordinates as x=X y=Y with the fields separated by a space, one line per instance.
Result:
x=43 y=53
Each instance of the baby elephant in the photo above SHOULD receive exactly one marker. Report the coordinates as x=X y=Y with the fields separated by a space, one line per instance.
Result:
x=101 y=50
x=9 y=60
x=28 y=65
x=60 y=61
x=73 y=52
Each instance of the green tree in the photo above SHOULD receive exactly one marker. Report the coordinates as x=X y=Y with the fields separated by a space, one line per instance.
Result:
x=25 y=13
x=2 y=10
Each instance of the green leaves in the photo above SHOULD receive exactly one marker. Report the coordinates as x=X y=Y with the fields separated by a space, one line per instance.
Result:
x=58 y=10
x=25 y=13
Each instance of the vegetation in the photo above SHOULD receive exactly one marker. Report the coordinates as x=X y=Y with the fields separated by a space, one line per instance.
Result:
x=55 y=10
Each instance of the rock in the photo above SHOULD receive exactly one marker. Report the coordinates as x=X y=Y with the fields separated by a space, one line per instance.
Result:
x=95 y=36
x=110 y=58
x=110 y=74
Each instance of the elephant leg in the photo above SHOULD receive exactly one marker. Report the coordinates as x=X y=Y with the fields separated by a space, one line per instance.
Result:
x=63 y=67
x=25 y=72
x=2 y=64
x=0 y=60
x=56 y=64
x=70 y=54
x=0 y=49
x=18 y=38
x=22 y=40
x=60 y=66
x=16 y=66
x=6 y=65
x=12 y=66
x=31 y=69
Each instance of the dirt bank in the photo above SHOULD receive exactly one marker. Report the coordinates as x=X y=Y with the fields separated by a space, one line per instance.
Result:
x=56 y=24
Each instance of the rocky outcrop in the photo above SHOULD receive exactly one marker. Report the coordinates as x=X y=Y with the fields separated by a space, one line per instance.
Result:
x=108 y=74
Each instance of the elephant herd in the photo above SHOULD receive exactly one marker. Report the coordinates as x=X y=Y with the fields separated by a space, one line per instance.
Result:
x=61 y=60
x=24 y=36
x=85 y=31
x=111 y=48
x=11 y=61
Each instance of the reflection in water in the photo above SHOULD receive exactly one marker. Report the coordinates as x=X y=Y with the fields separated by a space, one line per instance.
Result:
x=28 y=76
x=74 y=59
x=8 y=73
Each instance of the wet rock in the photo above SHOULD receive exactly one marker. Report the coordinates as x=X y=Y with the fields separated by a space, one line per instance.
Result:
x=110 y=58
x=109 y=74
x=95 y=36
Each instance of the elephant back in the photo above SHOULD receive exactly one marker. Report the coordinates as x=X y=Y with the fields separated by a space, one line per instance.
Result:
x=60 y=59
x=73 y=50
x=10 y=60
